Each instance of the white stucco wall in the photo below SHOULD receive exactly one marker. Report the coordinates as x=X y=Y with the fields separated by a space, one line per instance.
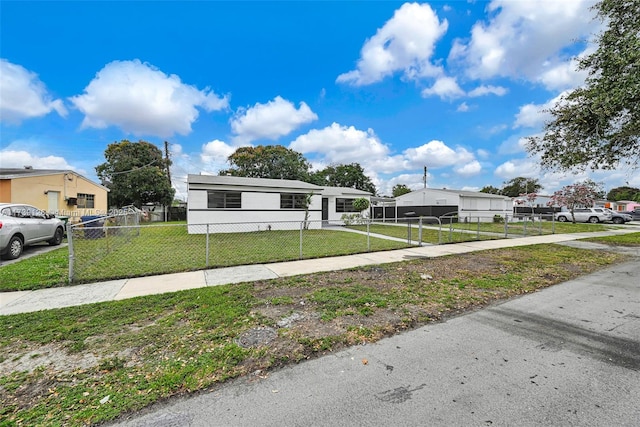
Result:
x=482 y=209
x=260 y=211
x=428 y=198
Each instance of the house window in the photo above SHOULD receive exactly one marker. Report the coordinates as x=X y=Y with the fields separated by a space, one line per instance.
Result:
x=345 y=205
x=292 y=201
x=224 y=199
x=86 y=201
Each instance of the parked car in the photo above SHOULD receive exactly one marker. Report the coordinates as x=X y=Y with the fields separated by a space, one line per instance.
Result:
x=592 y=215
x=619 y=217
x=23 y=225
x=635 y=214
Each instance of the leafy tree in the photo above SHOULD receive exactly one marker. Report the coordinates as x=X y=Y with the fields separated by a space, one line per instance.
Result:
x=582 y=194
x=490 y=189
x=623 y=193
x=520 y=185
x=598 y=125
x=399 y=190
x=136 y=174
x=347 y=176
x=268 y=161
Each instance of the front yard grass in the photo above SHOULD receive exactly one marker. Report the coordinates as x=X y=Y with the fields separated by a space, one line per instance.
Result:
x=90 y=364
x=161 y=249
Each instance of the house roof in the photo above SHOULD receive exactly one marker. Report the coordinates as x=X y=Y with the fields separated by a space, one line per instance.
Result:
x=461 y=193
x=14 y=173
x=239 y=181
x=343 y=191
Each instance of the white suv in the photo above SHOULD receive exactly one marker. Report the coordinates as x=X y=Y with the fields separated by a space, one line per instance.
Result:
x=592 y=215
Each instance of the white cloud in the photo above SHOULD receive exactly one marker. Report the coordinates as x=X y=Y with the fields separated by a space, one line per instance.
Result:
x=462 y=108
x=436 y=154
x=535 y=115
x=23 y=95
x=140 y=99
x=445 y=88
x=271 y=120
x=523 y=38
x=342 y=144
x=405 y=43
x=470 y=169
x=448 y=88
x=215 y=153
x=20 y=159
x=482 y=153
x=527 y=168
x=346 y=144
x=488 y=90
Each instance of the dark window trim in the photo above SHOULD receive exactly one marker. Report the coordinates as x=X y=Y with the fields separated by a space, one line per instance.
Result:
x=222 y=199
x=292 y=201
x=345 y=205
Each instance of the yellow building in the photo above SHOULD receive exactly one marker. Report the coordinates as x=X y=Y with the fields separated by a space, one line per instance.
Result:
x=59 y=192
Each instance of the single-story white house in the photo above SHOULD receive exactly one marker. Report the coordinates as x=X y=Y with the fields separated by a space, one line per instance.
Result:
x=238 y=204
x=258 y=203
x=469 y=205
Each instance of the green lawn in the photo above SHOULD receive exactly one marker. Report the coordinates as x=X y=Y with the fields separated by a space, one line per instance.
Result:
x=462 y=232
x=430 y=235
x=154 y=249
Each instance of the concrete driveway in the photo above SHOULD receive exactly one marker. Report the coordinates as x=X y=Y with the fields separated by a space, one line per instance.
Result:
x=568 y=355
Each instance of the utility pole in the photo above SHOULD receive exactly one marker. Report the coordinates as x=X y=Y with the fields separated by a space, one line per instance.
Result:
x=167 y=162
x=424 y=178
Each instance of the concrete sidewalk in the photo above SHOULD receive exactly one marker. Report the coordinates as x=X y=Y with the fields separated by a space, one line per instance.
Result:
x=43 y=299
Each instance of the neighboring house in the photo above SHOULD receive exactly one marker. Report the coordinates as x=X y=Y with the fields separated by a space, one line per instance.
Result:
x=60 y=192
x=338 y=201
x=258 y=203
x=468 y=205
x=622 y=205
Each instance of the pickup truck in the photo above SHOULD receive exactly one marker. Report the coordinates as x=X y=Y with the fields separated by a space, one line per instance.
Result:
x=592 y=215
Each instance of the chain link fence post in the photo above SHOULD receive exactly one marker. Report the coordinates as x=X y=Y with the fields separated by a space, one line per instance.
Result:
x=368 y=236
x=506 y=226
x=206 y=262
x=301 y=228
x=71 y=253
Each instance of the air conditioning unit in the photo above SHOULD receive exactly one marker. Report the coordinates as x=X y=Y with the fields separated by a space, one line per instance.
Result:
x=72 y=201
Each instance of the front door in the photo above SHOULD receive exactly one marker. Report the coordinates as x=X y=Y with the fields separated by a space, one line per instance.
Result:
x=325 y=209
x=53 y=197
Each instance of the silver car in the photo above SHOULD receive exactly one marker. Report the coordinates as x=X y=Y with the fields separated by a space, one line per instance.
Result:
x=592 y=215
x=23 y=225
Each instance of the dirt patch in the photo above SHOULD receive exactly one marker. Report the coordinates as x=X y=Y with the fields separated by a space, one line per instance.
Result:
x=54 y=356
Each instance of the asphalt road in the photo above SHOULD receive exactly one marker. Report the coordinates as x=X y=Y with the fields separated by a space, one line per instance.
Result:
x=568 y=355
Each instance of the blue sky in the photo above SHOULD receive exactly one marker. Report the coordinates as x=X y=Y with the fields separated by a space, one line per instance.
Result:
x=455 y=86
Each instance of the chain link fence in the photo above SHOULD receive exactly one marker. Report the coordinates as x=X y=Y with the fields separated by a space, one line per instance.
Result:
x=120 y=246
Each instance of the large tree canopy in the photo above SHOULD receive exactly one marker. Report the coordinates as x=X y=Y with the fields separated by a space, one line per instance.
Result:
x=624 y=193
x=268 y=161
x=520 y=185
x=490 y=189
x=347 y=176
x=399 y=190
x=135 y=173
x=598 y=126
